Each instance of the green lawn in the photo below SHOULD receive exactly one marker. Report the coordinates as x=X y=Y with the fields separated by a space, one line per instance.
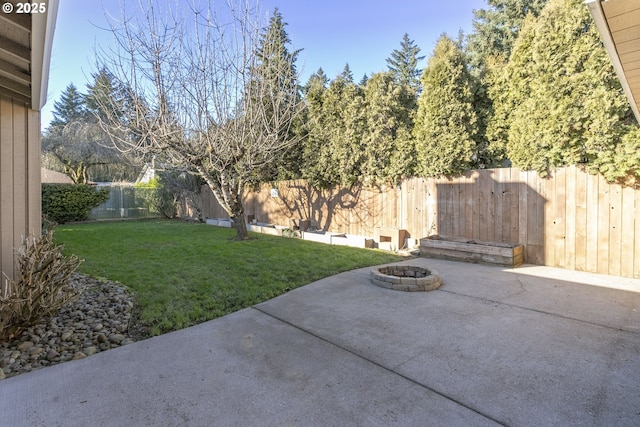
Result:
x=183 y=273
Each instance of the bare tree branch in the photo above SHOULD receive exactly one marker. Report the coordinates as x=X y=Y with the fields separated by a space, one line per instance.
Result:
x=194 y=91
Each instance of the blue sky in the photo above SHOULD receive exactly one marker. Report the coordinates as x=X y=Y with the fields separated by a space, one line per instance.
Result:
x=330 y=32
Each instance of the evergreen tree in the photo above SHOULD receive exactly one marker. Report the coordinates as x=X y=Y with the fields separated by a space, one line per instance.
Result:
x=403 y=64
x=497 y=27
x=446 y=122
x=69 y=107
x=344 y=107
x=317 y=80
x=488 y=48
x=277 y=66
x=278 y=63
x=336 y=123
x=389 y=149
x=347 y=74
x=313 y=158
x=100 y=93
x=560 y=102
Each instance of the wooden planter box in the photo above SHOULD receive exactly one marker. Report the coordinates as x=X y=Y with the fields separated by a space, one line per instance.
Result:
x=459 y=249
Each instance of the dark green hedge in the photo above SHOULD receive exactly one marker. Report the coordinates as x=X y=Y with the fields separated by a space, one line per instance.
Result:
x=69 y=202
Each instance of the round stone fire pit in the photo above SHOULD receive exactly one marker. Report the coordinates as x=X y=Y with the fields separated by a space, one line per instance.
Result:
x=405 y=278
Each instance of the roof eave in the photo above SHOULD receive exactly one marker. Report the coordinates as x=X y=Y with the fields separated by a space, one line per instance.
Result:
x=43 y=27
x=595 y=7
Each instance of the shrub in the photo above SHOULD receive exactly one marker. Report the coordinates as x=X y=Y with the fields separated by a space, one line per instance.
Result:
x=287 y=232
x=69 y=202
x=173 y=192
x=157 y=197
x=41 y=287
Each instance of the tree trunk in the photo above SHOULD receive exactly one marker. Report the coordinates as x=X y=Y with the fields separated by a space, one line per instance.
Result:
x=238 y=221
x=231 y=202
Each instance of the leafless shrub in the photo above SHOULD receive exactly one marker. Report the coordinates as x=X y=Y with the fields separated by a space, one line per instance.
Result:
x=41 y=287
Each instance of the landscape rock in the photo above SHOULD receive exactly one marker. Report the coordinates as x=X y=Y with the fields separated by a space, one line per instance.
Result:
x=97 y=321
x=34 y=351
x=116 y=338
x=52 y=355
x=24 y=346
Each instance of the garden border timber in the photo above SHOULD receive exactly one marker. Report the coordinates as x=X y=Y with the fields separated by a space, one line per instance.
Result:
x=476 y=251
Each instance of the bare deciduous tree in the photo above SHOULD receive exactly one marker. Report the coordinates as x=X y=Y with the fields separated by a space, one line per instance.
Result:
x=194 y=92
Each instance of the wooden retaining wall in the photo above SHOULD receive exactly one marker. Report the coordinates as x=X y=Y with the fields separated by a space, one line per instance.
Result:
x=570 y=219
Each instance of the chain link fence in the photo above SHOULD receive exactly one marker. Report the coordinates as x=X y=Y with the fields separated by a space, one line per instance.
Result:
x=126 y=202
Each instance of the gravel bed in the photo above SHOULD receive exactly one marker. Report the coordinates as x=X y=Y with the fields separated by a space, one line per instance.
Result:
x=98 y=320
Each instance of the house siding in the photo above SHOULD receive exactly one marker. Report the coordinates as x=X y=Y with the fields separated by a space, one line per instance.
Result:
x=20 y=193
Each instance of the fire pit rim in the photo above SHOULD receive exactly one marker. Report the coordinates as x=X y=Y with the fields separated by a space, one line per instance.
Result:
x=404 y=282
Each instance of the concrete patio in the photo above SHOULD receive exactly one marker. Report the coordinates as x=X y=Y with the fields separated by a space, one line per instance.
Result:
x=529 y=346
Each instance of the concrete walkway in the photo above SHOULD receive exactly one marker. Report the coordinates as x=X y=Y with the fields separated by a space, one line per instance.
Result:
x=532 y=346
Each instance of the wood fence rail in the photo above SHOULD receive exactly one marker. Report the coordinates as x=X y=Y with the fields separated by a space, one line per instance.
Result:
x=570 y=219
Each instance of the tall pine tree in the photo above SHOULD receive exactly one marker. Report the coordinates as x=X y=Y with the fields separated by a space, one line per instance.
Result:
x=277 y=62
x=277 y=65
x=403 y=64
x=496 y=28
x=347 y=74
x=69 y=107
x=101 y=93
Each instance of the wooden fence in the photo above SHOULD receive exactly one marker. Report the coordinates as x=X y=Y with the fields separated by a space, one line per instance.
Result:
x=570 y=219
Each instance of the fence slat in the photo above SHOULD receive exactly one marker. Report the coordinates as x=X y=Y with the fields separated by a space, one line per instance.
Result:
x=522 y=210
x=432 y=190
x=546 y=225
x=498 y=200
x=515 y=206
x=491 y=205
x=484 y=198
x=570 y=218
x=636 y=215
x=603 y=226
x=629 y=217
x=560 y=196
x=615 y=224
x=467 y=199
x=580 y=223
x=593 y=224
